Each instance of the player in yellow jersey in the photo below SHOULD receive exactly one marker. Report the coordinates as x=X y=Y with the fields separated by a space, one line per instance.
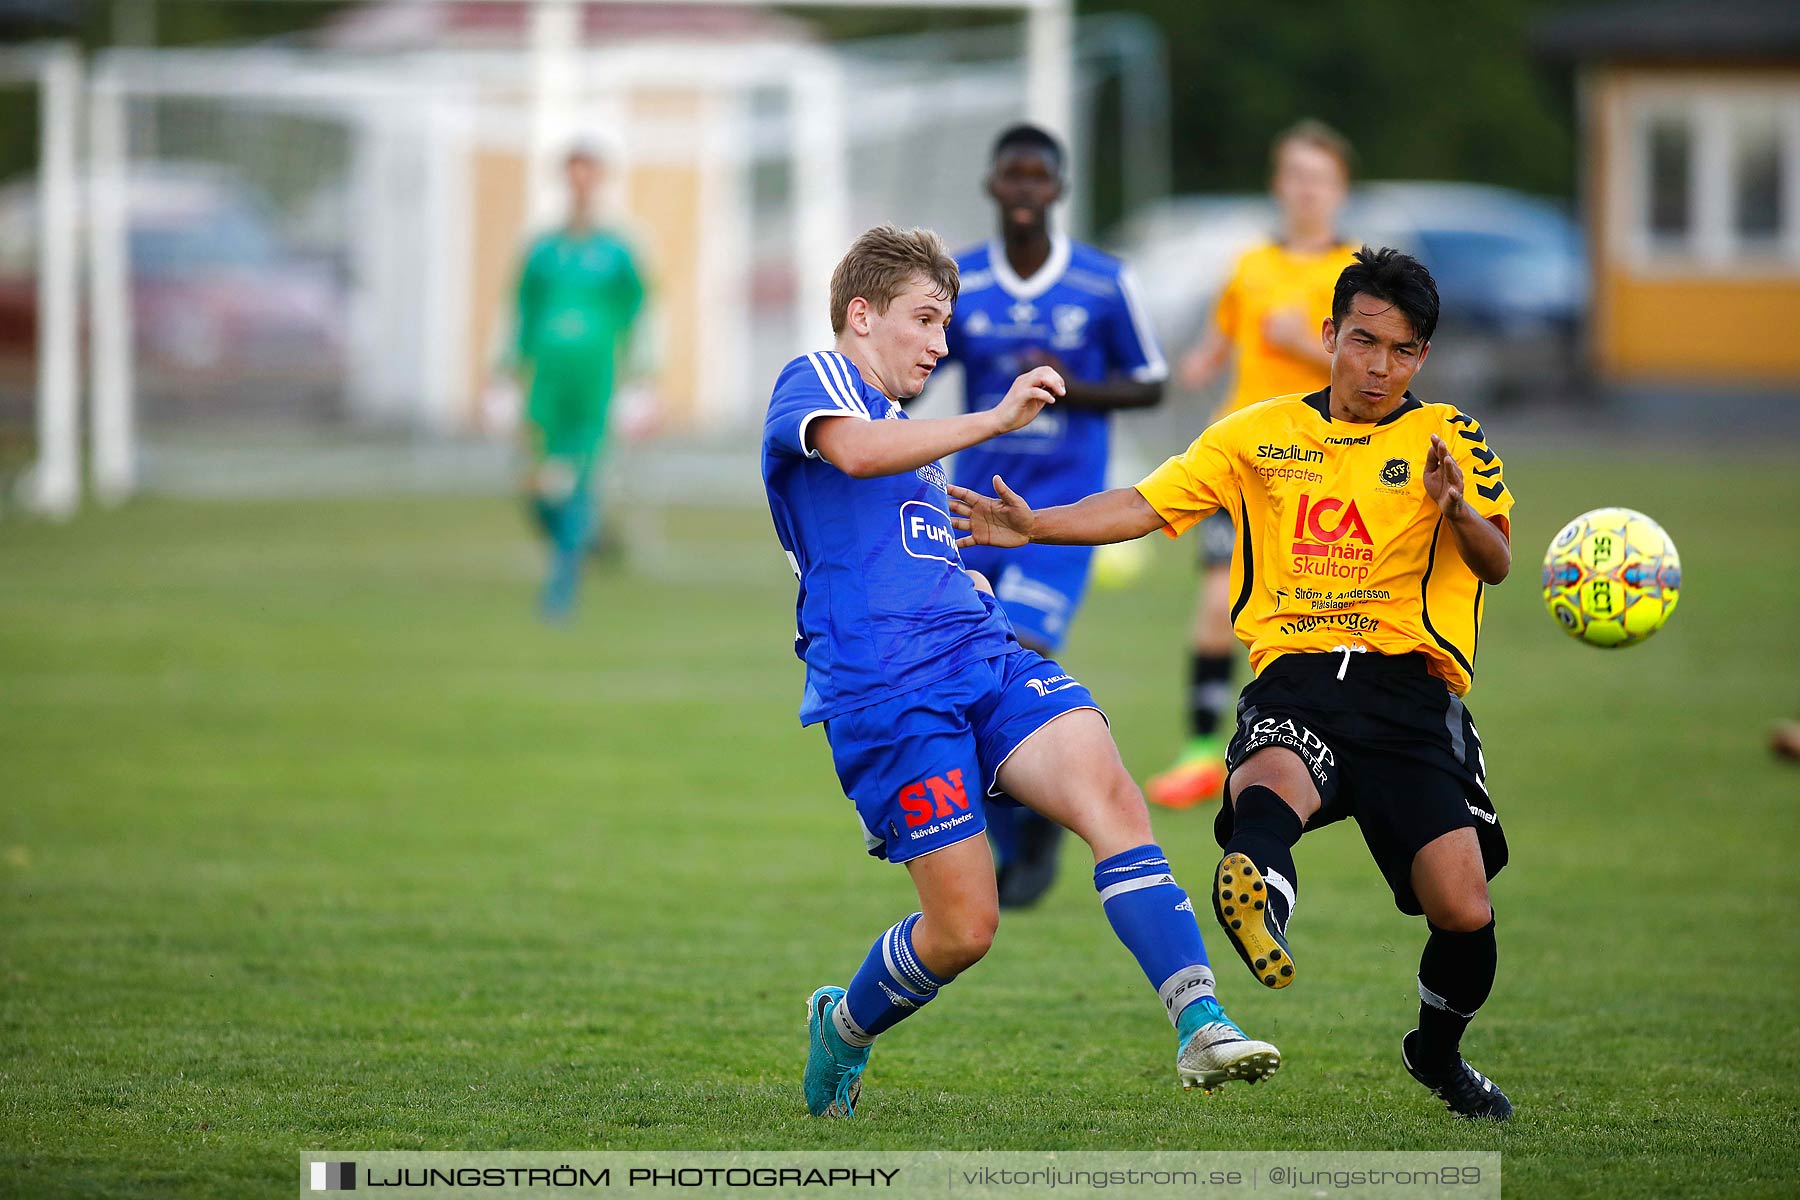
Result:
x=1368 y=525
x=1266 y=329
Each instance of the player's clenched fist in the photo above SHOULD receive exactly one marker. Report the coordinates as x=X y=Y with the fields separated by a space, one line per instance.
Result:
x=1027 y=397
x=1004 y=520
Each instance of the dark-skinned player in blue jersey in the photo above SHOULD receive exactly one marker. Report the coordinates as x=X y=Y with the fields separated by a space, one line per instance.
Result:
x=1034 y=297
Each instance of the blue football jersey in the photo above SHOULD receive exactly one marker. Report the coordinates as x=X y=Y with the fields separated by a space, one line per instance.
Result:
x=1081 y=307
x=884 y=605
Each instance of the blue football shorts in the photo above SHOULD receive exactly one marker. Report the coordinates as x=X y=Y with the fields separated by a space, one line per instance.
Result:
x=917 y=765
x=1040 y=587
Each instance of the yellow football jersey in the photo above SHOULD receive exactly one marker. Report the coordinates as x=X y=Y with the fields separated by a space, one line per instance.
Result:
x=1338 y=543
x=1270 y=279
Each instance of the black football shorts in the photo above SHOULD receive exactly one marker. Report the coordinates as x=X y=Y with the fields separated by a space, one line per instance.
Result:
x=1218 y=538
x=1388 y=744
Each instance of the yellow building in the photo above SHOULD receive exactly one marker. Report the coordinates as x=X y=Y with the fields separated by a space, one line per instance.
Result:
x=1690 y=176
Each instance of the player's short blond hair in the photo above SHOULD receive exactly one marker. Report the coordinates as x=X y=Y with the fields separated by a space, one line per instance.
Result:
x=1320 y=136
x=883 y=262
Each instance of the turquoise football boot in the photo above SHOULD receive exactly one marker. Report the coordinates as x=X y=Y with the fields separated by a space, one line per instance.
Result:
x=833 y=1067
x=1215 y=1051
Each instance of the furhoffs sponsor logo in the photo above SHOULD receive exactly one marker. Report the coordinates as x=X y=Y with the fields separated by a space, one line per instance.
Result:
x=926 y=533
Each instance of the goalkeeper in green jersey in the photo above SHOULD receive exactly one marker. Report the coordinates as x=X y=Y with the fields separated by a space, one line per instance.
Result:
x=579 y=295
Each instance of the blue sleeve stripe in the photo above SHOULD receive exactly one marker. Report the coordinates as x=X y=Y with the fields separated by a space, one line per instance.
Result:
x=835 y=387
x=1154 y=368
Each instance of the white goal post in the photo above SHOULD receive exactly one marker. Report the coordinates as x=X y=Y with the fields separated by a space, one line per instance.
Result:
x=52 y=482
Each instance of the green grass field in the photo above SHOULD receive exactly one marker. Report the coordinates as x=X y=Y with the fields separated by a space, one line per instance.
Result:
x=311 y=837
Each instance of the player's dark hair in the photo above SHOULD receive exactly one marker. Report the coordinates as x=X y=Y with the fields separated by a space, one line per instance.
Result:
x=1399 y=279
x=1317 y=134
x=1025 y=136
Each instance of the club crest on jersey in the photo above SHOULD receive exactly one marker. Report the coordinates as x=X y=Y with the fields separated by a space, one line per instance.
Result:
x=1331 y=539
x=1070 y=324
x=925 y=532
x=1396 y=473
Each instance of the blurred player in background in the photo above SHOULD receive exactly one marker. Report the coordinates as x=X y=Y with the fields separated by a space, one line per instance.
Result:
x=1370 y=524
x=1033 y=298
x=1784 y=740
x=1266 y=329
x=929 y=701
x=579 y=295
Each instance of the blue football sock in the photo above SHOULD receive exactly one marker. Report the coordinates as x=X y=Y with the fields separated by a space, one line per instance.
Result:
x=574 y=523
x=561 y=582
x=891 y=986
x=1155 y=919
x=569 y=524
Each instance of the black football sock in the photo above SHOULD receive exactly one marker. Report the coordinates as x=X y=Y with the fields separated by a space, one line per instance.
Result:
x=1456 y=973
x=1209 y=691
x=1264 y=829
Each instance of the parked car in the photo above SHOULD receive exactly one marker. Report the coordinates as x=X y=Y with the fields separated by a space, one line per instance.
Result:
x=229 y=319
x=1511 y=270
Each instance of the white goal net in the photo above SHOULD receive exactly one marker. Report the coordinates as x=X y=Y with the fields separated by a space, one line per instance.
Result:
x=302 y=257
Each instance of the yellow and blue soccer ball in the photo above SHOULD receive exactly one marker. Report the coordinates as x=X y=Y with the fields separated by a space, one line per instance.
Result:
x=1611 y=577
x=1120 y=564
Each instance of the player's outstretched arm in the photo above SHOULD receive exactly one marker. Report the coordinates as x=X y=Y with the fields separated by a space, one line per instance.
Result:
x=866 y=449
x=1203 y=364
x=1481 y=542
x=1114 y=395
x=1103 y=395
x=1005 y=519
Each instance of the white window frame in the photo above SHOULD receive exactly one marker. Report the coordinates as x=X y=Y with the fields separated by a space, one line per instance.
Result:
x=1712 y=106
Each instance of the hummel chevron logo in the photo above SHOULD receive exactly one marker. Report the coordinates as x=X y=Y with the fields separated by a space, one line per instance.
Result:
x=1492 y=493
x=1484 y=454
